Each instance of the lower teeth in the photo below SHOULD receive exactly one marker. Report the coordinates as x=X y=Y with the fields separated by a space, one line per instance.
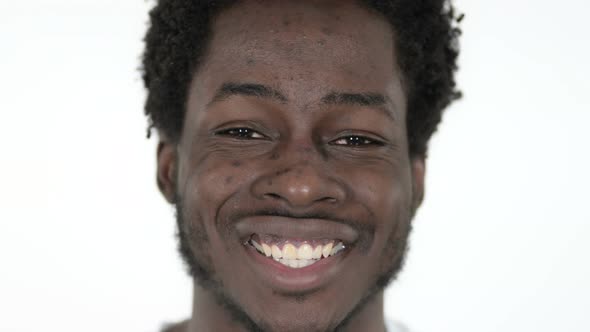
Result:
x=296 y=263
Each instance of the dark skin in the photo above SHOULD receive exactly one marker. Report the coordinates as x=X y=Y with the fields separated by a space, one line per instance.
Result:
x=298 y=107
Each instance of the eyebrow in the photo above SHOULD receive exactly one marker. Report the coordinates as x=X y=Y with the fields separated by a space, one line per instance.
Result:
x=373 y=100
x=247 y=89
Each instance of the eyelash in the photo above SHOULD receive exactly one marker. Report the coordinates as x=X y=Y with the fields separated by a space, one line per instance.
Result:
x=351 y=140
x=357 y=140
x=239 y=133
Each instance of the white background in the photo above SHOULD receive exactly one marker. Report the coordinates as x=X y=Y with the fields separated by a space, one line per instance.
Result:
x=87 y=243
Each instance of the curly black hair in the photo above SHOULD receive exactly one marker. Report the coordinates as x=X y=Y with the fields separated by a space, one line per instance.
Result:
x=426 y=40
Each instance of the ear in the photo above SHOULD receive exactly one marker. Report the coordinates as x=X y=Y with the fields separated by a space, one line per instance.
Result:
x=418 y=171
x=166 y=174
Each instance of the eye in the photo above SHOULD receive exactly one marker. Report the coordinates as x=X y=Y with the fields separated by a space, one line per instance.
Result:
x=355 y=140
x=240 y=133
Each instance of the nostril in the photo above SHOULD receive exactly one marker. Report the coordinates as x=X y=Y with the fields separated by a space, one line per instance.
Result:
x=301 y=186
x=272 y=195
x=329 y=199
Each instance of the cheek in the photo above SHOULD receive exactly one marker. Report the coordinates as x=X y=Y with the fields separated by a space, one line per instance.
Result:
x=386 y=194
x=210 y=185
x=388 y=200
x=383 y=191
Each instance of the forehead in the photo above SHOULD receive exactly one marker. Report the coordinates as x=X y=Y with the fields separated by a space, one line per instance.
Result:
x=303 y=48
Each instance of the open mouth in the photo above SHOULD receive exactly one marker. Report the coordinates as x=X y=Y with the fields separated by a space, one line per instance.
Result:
x=295 y=253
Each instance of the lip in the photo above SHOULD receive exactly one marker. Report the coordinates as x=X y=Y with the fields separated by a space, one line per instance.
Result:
x=295 y=280
x=296 y=228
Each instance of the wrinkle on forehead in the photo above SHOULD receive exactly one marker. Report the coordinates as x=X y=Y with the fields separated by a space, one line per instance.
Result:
x=304 y=48
x=299 y=31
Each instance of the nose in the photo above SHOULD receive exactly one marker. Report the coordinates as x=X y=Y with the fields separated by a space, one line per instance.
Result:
x=300 y=185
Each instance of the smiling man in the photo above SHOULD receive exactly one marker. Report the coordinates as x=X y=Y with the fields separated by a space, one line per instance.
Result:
x=293 y=137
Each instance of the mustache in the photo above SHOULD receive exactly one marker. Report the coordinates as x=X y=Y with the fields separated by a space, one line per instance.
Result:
x=362 y=227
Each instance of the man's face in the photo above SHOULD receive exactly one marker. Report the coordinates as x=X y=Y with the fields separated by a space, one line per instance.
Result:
x=295 y=137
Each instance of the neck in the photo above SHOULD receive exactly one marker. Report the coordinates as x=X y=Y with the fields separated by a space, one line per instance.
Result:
x=208 y=315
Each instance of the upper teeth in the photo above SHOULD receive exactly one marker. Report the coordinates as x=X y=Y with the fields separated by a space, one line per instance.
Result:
x=297 y=257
